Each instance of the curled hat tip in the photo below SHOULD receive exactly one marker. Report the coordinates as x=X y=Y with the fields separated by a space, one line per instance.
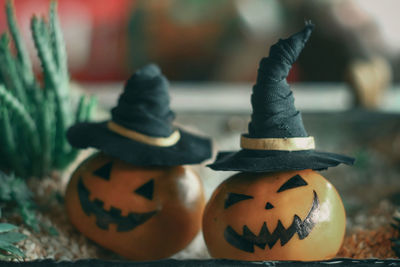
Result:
x=308 y=28
x=309 y=24
x=282 y=55
x=304 y=34
x=149 y=70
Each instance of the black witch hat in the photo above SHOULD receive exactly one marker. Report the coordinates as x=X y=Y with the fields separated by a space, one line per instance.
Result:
x=277 y=139
x=141 y=131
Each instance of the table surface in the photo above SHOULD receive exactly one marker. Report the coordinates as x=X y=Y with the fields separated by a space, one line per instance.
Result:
x=226 y=97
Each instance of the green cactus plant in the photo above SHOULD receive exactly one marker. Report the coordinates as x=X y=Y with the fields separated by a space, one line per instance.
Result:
x=34 y=115
x=8 y=237
x=16 y=198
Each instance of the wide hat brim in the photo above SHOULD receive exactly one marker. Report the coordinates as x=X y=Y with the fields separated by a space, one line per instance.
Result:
x=190 y=149
x=272 y=161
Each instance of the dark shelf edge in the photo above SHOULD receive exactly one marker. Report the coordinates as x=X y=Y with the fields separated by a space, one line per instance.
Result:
x=209 y=262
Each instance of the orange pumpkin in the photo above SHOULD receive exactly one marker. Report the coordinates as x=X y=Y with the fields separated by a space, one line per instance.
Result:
x=139 y=213
x=294 y=215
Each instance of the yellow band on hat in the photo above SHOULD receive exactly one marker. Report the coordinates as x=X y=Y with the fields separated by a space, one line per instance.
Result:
x=154 y=141
x=286 y=144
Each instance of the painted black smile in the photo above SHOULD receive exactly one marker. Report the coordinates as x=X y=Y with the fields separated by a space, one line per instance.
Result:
x=248 y=239
x=104 y=218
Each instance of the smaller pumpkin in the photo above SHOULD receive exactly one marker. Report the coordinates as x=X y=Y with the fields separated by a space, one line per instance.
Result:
x=137 y=197
x=139 y=213
x=295 y=215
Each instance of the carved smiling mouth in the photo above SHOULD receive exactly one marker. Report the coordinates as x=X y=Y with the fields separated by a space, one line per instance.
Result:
x=248 y=239
x=104 y=217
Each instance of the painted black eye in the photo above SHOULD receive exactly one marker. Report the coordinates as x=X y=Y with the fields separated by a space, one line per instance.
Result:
x=295 y=181
x=234 y=198
x=146 y=190
x=104 y=171
x=269 y=206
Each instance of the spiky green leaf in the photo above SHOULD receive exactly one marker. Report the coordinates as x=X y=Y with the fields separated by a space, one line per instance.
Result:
x=24 y=118
x=57 y=42
x=9 y=247
x=12 y=237
x=6 y=227
x=25 y=65
x=8 y=66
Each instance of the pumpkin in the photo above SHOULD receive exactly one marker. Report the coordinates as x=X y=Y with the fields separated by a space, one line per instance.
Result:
x=293 y=215
x=139 y=213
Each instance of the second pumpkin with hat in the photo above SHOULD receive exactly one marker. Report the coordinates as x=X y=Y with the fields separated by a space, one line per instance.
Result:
x=278 y=207
x=134 y=197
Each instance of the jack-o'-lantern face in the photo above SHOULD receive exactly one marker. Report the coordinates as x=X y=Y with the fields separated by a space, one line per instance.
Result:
x=113 y=215
x=133 y=210
x=295 y=215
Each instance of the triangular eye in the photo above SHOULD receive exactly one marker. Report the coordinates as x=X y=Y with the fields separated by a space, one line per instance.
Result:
x=146 y=190
x=104 y=171
x=269 y=206
x=295 y=181
x=234 y=198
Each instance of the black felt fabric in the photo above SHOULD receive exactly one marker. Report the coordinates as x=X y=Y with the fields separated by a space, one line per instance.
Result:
x=275 y=116
x=142 y=107
x=144 y=104
x=190 y=149
x=271 y=161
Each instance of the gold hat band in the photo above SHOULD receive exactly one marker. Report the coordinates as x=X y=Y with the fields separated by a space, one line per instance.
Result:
x=154 y=141
x=286 y=144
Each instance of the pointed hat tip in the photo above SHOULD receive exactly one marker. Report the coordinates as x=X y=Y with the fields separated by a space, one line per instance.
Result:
x=308 y=28
x=141 y=78
x=309 y=24
x=274 y=114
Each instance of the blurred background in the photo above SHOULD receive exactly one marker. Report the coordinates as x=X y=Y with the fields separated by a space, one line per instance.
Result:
x=218 y=40
x=355 y=42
